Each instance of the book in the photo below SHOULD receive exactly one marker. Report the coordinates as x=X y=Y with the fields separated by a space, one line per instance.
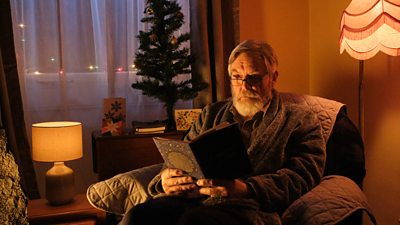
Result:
x=148 y=127
x=218 y=153
x=149 y=132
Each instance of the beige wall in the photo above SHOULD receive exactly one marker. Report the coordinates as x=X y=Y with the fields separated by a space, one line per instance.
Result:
x=311 y=29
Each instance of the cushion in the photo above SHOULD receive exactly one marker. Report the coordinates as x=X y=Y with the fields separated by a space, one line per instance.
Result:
x=123 y=191
x=330 y=202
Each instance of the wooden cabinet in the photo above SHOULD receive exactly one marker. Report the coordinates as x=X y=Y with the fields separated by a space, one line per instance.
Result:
x=78 y=212
x=117 y=154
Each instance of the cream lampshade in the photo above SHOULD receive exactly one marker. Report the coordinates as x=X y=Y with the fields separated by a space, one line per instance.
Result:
x=370 y=26
x=57 y=142
x=367 y=27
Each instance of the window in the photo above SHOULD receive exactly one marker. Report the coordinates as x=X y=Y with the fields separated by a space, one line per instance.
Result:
x=72 y=54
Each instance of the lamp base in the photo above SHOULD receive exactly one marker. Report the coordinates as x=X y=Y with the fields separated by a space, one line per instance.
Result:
x=60 y=188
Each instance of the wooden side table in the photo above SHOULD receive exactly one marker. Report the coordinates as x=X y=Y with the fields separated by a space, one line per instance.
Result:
x=117 y=154
x=78 y=212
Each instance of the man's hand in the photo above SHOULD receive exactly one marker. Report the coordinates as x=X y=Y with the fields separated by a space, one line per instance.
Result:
x=176 y=182
x=223 y=188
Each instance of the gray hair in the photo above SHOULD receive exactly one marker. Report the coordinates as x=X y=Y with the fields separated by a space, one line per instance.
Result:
x=259 y=47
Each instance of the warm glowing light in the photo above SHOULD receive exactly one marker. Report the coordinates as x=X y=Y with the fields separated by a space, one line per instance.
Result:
x=370 y=26
x=120 y=69
x=91 y=67
x=21 y=25
x=61 y=72
x=36 y=72
x=133 y=66
x=367 y=27
x=52 y=59
x=57 y=142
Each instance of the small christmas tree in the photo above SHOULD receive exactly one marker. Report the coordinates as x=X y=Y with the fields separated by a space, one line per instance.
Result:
x=161 y=58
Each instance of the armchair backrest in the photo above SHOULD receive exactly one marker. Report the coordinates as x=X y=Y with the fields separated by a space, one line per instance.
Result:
x=344 y=145
x=325 y=109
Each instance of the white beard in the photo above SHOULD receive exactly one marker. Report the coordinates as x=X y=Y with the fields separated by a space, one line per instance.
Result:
x=248 y=106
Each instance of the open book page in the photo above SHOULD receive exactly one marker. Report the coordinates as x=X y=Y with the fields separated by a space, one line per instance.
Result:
x=216 y=153
x=177 y=154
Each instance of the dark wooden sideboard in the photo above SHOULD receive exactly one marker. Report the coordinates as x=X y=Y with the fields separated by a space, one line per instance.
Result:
x=117 y=154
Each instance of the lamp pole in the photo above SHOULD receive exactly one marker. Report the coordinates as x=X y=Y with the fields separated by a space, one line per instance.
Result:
x=361 y=97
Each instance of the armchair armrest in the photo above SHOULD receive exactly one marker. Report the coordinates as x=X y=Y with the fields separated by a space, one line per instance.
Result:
x=331 y=202
x=123 y=191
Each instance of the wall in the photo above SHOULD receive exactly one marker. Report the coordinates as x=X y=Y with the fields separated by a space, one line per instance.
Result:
x=289 y=37
x=336 y=76
x=317 y=67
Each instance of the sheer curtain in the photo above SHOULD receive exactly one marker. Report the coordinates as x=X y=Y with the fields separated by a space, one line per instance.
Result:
x=72 y=54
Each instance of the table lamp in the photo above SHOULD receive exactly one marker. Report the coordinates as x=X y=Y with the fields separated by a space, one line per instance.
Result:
x=57 y=142
x=367 y=27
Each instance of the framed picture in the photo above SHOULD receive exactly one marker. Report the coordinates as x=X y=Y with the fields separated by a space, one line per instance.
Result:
x=184 y=118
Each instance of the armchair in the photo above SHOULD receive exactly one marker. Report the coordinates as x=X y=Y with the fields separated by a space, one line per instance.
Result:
x=338 y=199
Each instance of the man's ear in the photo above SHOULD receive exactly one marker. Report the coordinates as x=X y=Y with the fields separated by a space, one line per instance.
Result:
x=275 y=76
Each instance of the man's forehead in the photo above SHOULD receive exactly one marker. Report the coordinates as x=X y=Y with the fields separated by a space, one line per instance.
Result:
x=248 y=60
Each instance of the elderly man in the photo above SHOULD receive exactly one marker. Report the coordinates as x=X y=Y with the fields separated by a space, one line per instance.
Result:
x=284 y=144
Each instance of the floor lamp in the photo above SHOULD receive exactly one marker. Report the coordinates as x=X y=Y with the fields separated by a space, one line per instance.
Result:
x=367 y=27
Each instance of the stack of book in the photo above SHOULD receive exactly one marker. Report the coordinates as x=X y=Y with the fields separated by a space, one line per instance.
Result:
x=155 y=127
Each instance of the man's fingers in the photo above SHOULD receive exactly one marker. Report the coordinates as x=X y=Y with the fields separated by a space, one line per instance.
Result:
x=214 y=191
x=174 y=181
x=167 y=173
x=180 y=189
x=214 y=182
x=205 y=182
x=212 y=187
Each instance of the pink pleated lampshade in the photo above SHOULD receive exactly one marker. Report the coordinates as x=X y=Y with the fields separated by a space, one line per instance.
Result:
x=370 y=26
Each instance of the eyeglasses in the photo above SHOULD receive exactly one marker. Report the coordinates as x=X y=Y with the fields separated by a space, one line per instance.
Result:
x=251 y=80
